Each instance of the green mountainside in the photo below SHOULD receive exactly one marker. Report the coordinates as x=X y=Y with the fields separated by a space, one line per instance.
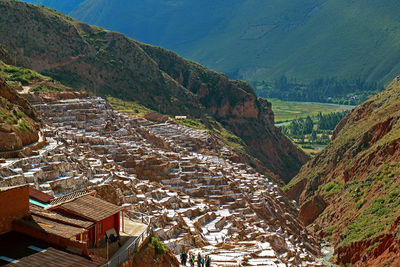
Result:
x=89 y=58
x=261 y=40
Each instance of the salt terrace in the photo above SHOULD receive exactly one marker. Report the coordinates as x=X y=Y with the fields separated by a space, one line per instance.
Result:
x=198 y=199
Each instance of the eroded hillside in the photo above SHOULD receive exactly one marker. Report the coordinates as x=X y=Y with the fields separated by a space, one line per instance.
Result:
x=350 y=192
x=107 y=63
x=19 y=123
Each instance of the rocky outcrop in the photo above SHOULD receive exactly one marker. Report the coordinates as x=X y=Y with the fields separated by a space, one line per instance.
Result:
x=357 y=177
x=107 y=63
x=147 y=256
x=310 y=210
x=18 y=122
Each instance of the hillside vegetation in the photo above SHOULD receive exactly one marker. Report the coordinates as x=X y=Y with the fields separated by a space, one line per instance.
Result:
x=349 y=193
x=19 y=123
x=89 y=58
x=262 y=40
x=291 y=110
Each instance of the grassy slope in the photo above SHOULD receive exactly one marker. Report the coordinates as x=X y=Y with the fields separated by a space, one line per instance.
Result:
x=12 y=115
x=358 y=174
x=17 y=117
x=264 y=39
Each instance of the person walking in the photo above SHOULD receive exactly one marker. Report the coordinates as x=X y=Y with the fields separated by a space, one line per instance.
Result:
x=185 y=256
x=208 y=261
x=199 y=260
x=192 y=260
x=181 y=256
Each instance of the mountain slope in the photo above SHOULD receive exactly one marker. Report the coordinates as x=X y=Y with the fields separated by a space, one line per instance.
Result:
x=350 y=191
x=262 y=40
x=62 y=6
x=107 y=63
x=19 y=123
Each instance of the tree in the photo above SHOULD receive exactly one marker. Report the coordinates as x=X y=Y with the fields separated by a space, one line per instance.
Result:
x=313 y=136
x=295 y=128
x=308 y=125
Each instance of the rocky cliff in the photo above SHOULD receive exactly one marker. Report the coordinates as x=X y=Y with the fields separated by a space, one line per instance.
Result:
x=107 y=63
x=349 y=193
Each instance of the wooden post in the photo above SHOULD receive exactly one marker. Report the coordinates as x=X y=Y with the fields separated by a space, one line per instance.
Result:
x=95 y=234
x=123 y=221
x=107 y=248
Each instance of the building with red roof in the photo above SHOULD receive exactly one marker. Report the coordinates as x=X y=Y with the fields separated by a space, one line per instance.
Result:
x=73 y=223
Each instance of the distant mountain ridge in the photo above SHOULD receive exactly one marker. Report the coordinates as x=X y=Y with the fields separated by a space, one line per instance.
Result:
x=92 y=59
x=262 y=40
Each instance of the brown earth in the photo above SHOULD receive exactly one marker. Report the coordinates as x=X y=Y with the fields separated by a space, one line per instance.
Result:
x=310 y=210
x=91 y=59
x=357 y=176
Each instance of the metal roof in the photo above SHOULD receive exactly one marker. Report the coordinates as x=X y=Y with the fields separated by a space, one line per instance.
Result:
x=27 y=251
x=50 y=226
x=60 y=217
x=90 y=207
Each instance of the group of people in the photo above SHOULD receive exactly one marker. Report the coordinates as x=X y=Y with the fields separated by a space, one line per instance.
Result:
x=201 y=261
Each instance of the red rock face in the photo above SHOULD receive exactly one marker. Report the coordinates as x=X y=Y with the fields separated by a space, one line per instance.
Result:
x=310 y=210
x=9 y=141
x=383 y=250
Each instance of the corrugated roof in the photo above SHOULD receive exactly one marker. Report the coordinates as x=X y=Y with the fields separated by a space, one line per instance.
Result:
x=54 y=257
x=29 y=251
x=39 y=195
x=90 y=207
x=57 y=216
x=69 y=197
x=50 y=226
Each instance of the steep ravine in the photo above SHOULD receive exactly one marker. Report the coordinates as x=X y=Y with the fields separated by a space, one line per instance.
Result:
x=92 y=59
x=349 y=193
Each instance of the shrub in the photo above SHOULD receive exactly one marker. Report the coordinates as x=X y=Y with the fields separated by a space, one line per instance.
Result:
x=393 y=196
x=360 y=204
x=372 y=246
x=159 y=246
x=329 y=187
x=20 y=114
x=330 y=230
x=23 y=126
